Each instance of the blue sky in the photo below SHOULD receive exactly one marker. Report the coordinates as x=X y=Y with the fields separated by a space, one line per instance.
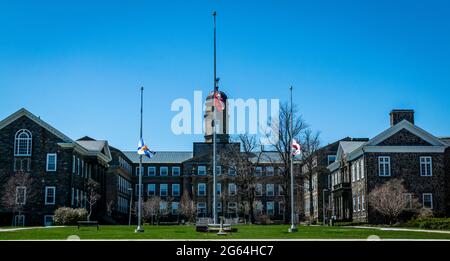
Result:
x=79 y=64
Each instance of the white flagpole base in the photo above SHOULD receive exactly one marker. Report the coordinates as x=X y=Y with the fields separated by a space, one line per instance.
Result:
x=139 y=229
x=292 y=229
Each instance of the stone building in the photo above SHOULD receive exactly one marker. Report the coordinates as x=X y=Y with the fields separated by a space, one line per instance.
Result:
x=56 y=166
x=403 y=151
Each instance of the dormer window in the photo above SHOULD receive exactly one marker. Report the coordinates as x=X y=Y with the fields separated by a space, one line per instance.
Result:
x=22 y=143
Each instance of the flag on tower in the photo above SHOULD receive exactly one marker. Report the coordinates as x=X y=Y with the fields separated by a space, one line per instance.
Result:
x=218 y=101
x=296 y=149
x=144 y=150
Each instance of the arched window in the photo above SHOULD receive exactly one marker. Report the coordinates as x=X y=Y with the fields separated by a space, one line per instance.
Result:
x=22 y=143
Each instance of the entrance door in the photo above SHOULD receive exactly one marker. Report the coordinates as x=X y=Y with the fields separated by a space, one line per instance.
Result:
x=48 y=220
x=19 y=220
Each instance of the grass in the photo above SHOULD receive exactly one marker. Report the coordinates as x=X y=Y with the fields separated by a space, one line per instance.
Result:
x=188 y=232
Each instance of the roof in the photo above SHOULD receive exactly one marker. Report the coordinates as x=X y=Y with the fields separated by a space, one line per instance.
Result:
x=95 y=145
x=161 y=157
x=24 y=112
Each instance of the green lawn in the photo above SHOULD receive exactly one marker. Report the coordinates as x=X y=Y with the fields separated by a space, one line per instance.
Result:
x=188 y=232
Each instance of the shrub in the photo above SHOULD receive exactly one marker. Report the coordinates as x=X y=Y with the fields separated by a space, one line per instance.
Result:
x=429 y=223
x=264 y=220
x=69 y=216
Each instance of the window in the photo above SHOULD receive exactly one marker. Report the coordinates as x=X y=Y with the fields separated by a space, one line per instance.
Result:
x=201 y=189
x=232 y=189
x=175 y=206
x=162 y=206
x=269 y=189
x=232 y=207
x=258 y=171
x=280 y=190
x=163 y=190
x=331 y=159
x=232 y=171
x=73 y=164
x=48 y=220
x=218 y=170
x=21 y=195
x=258 y=189
x=82 y=168
x=362 y=168
x=151 y=171
x=201 y=208
x=51 y=162
x=201 y=171
x=175 y=190
x=280 y=208
x=354 y=204
x=270 y=208
x=384 y=166
x=73 y=197
x=358 y=202
x=176 y=171
x=163 y=171
x=50 y=195
x=22 y=143
x=270 y=171
x=151 y=189
x=219 y=207
x=426 y=166
x=362 y=202
x=353 y=172
x=22 y=164
x=78 y=166
x=19 y=220
x=408 y=199
x=219 y=189
x=357 y=171
x=427 y=199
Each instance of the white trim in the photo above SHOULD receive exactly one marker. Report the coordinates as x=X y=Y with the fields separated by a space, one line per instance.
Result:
x=414 y=129
x=28 y=140
x=384 y=160
x=179 y=189
x=179 y=171
x=423 y=199
x=198 y=189
x=23 y=112
x=161 y=170
x=154 y=189
x=148 y=171
x=161 y=190
x=24 y=195
x=46 y=195
x=267 y=190
x=56 y=162
x=430 y=174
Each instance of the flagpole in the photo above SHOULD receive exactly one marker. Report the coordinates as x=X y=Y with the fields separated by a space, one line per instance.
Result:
x=139 y=228
x=214 y=127
x=293 y=228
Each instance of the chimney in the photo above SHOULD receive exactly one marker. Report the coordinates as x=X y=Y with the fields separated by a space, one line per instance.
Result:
x=399 y=115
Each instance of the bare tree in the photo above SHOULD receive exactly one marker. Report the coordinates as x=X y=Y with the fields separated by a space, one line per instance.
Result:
x=92 y=195
x=187 y=207
x=150 y=208
x=281 y=143
x=243 y=162
x=310 y=145
x=390 y=199
x=17 y=192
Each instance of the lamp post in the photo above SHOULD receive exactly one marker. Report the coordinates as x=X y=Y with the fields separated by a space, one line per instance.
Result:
x=323 y=205
x=131 y=205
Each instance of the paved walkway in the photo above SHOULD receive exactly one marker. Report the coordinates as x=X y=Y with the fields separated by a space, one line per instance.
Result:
x=404 y=229
x=24 y=228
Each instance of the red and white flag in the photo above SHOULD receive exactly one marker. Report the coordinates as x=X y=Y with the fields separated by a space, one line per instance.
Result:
x=296 y=149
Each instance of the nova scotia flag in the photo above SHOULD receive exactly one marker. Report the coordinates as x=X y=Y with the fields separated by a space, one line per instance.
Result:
x=144 y=150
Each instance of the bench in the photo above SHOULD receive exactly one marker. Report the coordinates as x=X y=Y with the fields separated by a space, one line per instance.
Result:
x=88 y=224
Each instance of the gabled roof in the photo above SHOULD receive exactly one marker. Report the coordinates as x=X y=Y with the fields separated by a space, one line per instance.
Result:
x=414 y=129
x=96 y=147
x=23 y=112
x=347 y=147
x=171 y=157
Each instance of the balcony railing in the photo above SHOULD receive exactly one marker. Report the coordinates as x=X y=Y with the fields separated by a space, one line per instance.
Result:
x=345 y=185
